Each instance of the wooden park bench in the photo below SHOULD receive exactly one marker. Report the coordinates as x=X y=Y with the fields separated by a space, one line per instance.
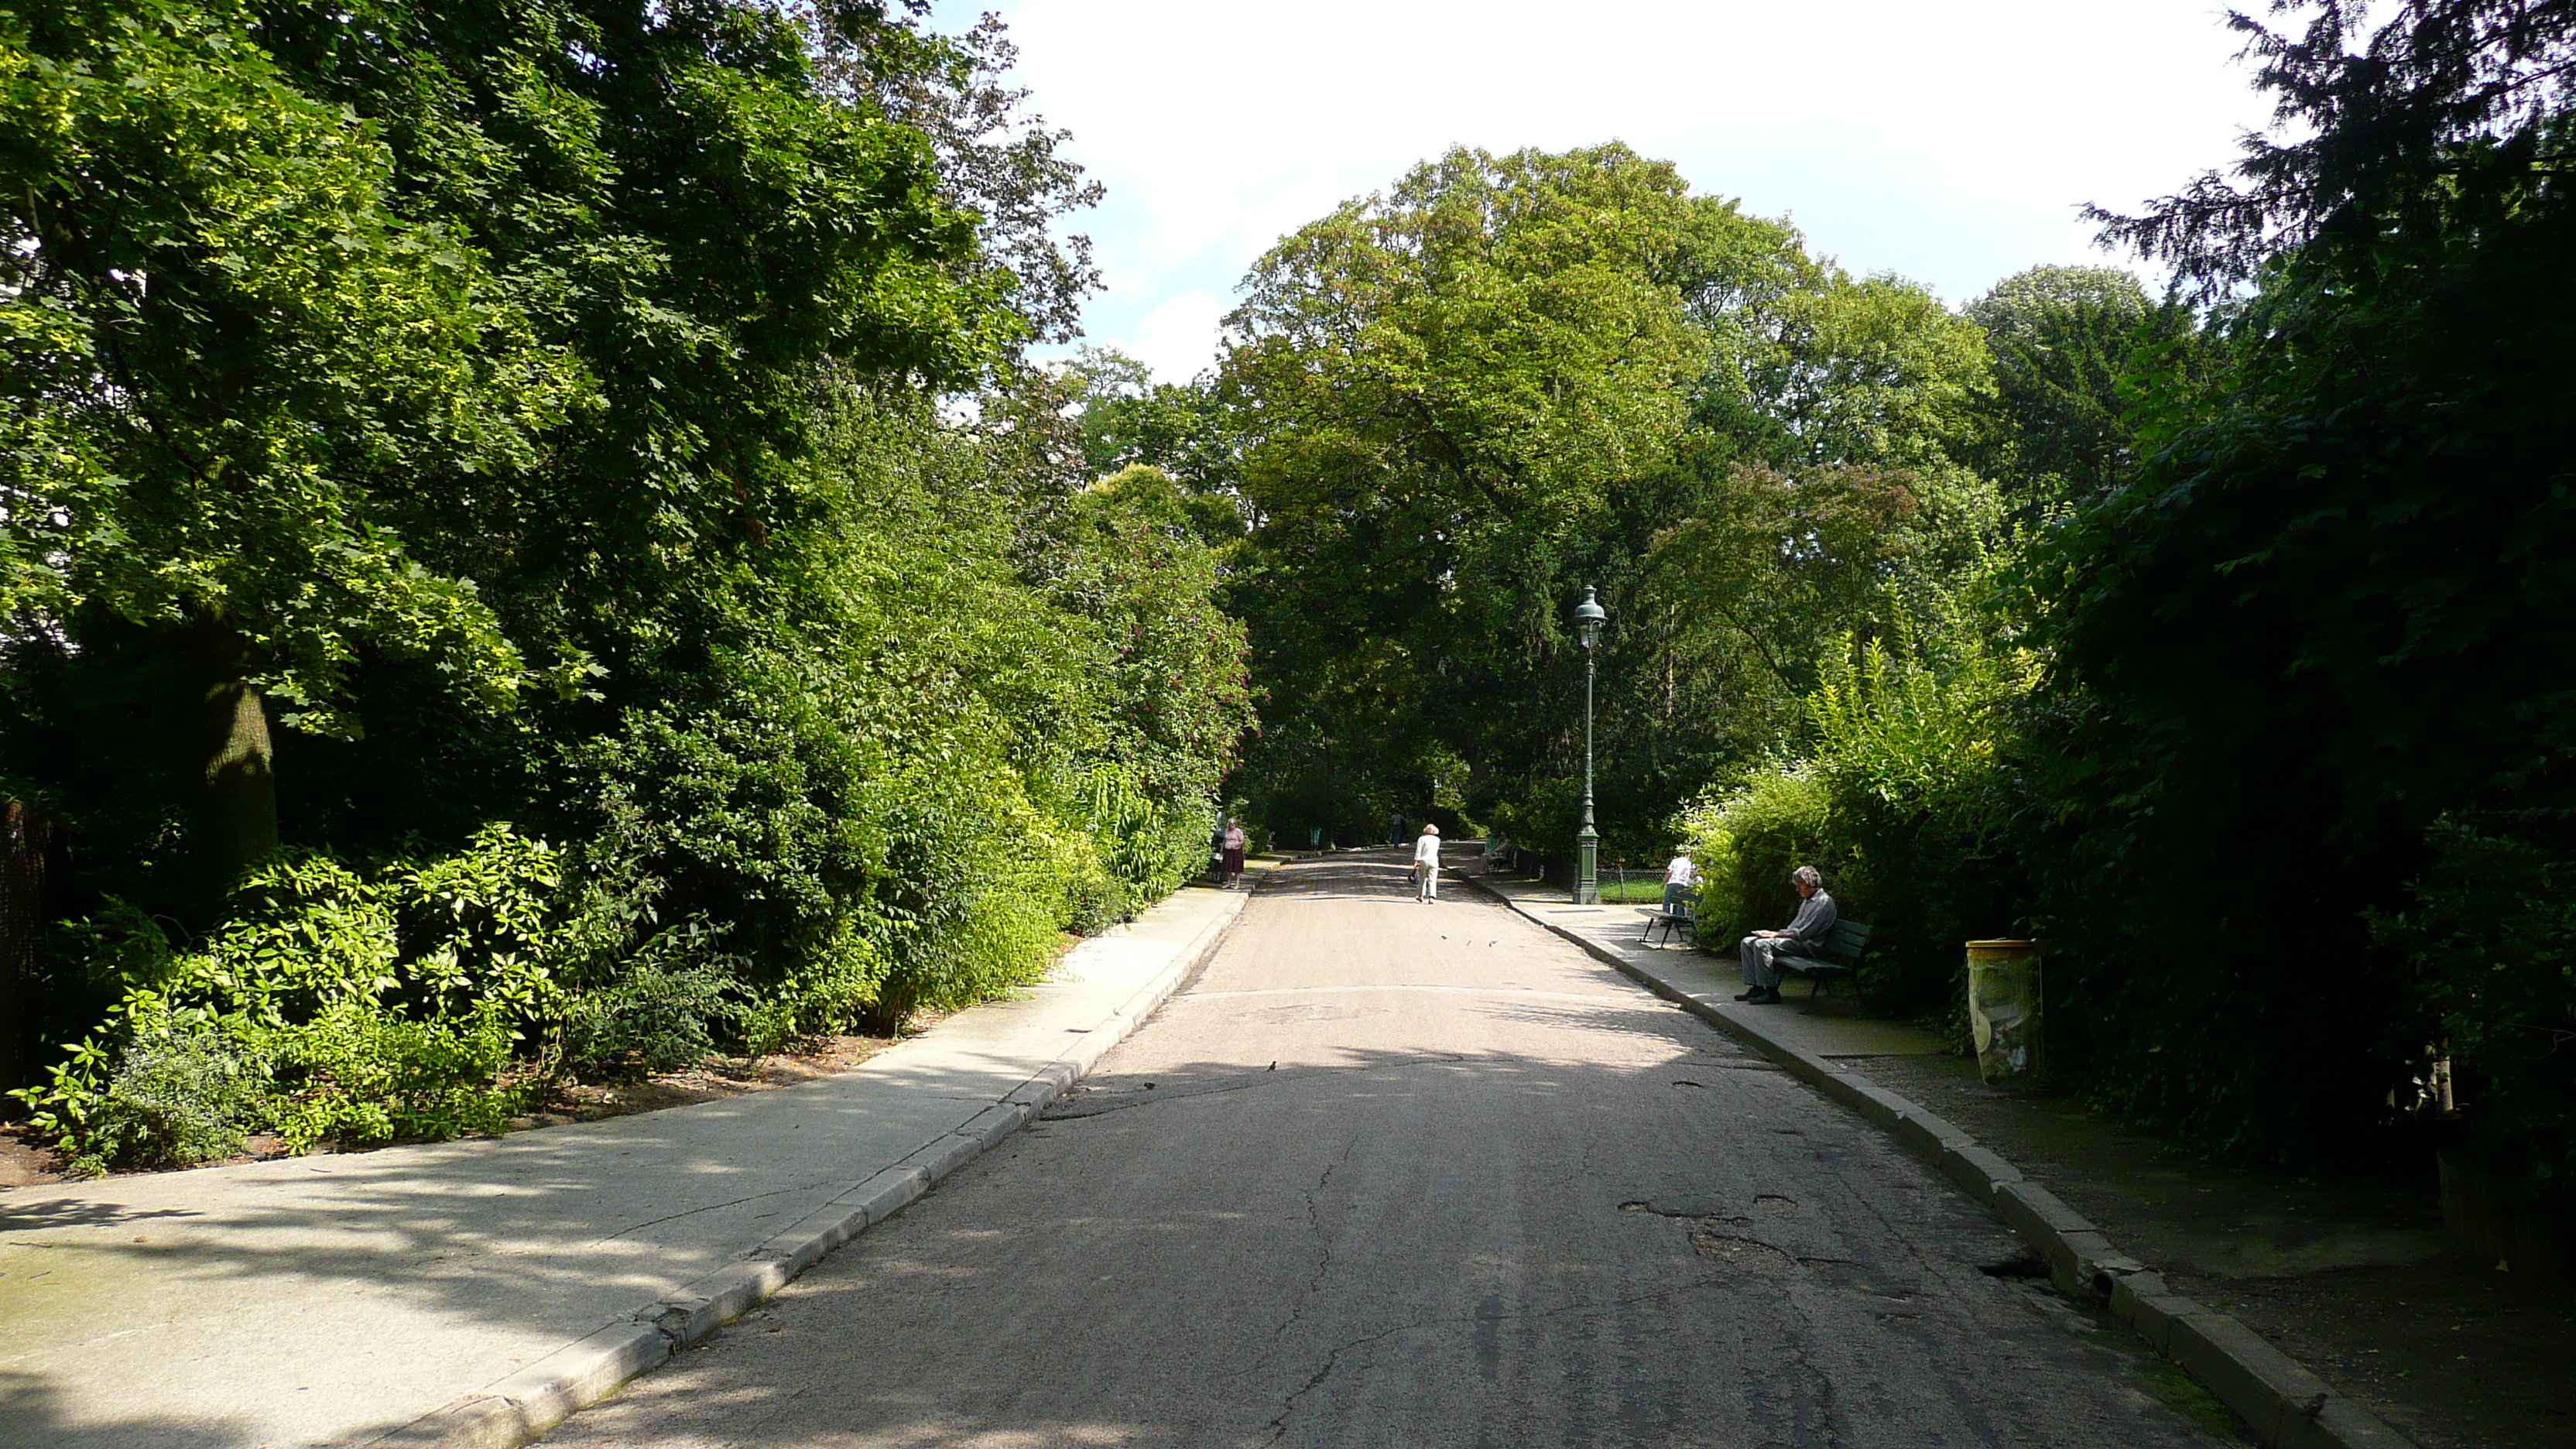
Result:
x=1843 y=948
x=1684 y=921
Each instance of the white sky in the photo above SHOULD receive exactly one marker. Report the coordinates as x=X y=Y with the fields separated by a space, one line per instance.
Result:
x=1949 y=143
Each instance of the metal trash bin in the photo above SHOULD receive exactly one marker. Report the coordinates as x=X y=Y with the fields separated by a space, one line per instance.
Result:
x=2004 y=1007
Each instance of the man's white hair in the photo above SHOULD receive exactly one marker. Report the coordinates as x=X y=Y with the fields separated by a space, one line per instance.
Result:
x=1807 y=875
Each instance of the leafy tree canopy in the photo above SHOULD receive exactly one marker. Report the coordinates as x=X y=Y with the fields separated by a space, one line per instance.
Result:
x=1451 y=405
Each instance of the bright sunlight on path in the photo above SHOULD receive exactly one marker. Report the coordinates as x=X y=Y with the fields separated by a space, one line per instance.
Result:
x=1408 y=1175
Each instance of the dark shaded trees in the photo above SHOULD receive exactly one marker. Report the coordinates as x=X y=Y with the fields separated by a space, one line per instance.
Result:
x=2332 y=611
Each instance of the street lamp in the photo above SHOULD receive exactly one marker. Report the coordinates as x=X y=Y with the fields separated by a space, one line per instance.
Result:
x=1587 y=841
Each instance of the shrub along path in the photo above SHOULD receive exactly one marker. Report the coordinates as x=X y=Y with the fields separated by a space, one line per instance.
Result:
x=334 y=1299
x=2350 y=1277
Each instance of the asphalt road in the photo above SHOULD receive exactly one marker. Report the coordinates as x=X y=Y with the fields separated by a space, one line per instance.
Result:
x=1407 y=1175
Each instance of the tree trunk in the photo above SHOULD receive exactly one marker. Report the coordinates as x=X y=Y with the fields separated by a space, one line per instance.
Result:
x=237 y=815
x=25 y=838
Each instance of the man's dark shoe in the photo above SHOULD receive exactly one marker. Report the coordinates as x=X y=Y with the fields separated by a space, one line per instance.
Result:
x=1765 y=998
x=1753 y=993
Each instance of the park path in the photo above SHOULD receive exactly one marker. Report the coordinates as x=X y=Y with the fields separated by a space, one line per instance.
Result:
x=1407 y=1175
x=454 y=1294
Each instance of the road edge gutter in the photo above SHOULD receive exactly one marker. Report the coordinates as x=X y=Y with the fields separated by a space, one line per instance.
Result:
x=2287 y=1406
x=541 y=1396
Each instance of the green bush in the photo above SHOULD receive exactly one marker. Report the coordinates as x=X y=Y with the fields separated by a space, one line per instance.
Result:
x=1909 y=753
x=1903 y=802
x=871 y=697
x=336 y=1003
x=669 y=1008
x=1147 y=846
x=185 y=1092
x=365 y=1075
x=1746 y=841
x=2492 y=938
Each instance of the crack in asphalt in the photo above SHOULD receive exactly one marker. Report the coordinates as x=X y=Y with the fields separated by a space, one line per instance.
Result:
x=709 y=1208
x=1640 y=1205
x=1803 y=1260
x=1332 y=1360
x=1278 y=1423
x=1323 y=1243
x=1265 y=1077
x=1802 y=1348
x=1707 y=1226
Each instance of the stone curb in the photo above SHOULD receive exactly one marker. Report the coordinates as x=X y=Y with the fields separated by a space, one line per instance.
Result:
x=554 y=1388
x=2287 y=1406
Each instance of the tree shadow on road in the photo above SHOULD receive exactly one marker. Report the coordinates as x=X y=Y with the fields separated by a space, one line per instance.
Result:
x=1680 y=1247
x=32 y=1414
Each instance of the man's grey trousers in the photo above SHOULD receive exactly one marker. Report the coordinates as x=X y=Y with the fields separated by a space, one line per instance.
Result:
x=1760 y=955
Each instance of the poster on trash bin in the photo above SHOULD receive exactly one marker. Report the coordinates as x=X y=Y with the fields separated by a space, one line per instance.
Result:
x=2003 y=1007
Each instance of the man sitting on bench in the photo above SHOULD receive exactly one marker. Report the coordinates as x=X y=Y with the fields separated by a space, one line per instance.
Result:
x=1760 y=952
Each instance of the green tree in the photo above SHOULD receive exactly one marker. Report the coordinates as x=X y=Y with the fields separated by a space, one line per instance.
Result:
x=2063 y=338
x=1454 y=404
x=1437 y=394
x=237 y=378
x=2334 y=604
x=365 y=376
x=540 y=402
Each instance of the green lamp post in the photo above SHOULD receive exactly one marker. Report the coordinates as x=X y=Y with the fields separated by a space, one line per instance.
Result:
x=1588 y=617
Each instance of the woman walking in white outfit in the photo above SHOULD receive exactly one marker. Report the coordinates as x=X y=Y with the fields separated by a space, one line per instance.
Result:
x=1426 y=863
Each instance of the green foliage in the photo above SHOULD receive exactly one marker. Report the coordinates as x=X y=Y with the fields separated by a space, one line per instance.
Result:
x=439 y=376
x=666 y=1008
x=231 y=355
x=539 y=411
x=367 y=1075
x=1146 y=849
x=1436 y=386
x=2333 y=605
x=1128 y=420
x=1871 y=372
x=338 y=1003
x=1909 y=753
x=1458 y=402
x=1746 y=840
x=2066 y=340
x=2490 y=935
x=1905 y=801
x=181 y=1094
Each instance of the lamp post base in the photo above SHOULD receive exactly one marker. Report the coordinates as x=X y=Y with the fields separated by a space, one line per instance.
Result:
x=1587 y=876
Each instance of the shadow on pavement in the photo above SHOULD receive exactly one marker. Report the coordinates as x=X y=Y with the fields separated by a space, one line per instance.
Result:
x=33 y=1414
x=1659 y=1240
x=376 y=1286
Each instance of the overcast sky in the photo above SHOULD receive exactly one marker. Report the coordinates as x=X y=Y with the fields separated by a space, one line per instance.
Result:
x=1949 y=143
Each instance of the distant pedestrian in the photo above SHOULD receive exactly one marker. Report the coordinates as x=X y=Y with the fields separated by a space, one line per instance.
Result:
x=1679 y=876
x=1230 y=847
x=1314 y=840
x=1395 y=827
x=1426 y=864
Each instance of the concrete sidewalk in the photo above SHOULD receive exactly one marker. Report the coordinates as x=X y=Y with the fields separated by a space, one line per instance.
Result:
x=1619 y=927
x=477 y=1292
x=2280 y=1400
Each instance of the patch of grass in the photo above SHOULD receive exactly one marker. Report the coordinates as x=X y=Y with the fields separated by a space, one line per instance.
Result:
x=2167 y=1384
